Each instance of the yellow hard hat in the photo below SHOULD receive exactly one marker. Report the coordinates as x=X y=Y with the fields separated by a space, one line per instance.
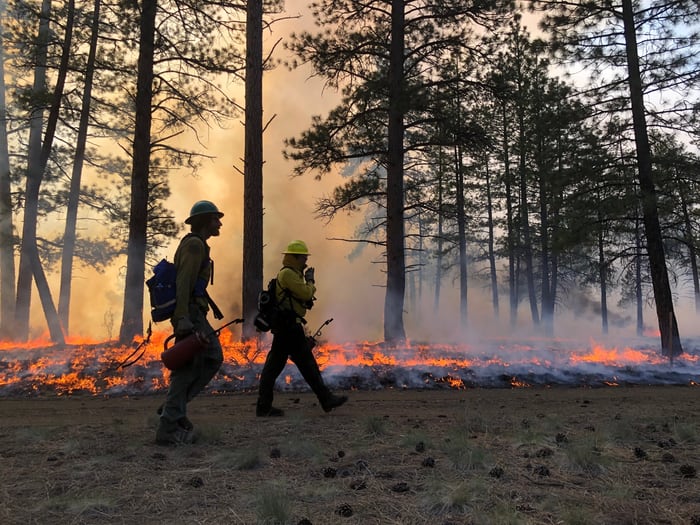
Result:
x=297 y=248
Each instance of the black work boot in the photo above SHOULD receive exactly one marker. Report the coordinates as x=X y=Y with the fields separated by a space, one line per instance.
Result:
x=307 y=365
x=169 y=433
x=267 y=410
x=184 y=421
x=332 y=401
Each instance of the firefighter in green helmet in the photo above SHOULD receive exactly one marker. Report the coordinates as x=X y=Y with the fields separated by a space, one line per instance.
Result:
x=296 y=286
x=195 y=270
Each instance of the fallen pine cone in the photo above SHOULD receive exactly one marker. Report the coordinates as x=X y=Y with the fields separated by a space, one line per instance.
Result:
x=639 y=453
x=344 y=510
x=496 y=472
x=541 y=470
x=195 y=482
x=668 y=458
x=688 y=471
x=401 y=487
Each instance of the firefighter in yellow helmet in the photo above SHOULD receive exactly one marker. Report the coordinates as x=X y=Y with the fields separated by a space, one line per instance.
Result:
x=195 y=270
x=296 y=286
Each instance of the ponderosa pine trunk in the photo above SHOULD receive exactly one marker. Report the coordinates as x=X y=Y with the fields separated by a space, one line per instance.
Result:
x=30 y=268
x=461 y=236
x=7 y=241
x=253 y=174
x=491 y=243
x=69 y=235
x=663 y=299
x=132 y=315
x=394 y=331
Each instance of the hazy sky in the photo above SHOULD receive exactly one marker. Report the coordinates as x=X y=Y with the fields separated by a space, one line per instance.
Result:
x=292 y=98
x=349 y=290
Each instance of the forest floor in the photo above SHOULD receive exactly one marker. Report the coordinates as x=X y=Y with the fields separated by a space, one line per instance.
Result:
x=613 y=455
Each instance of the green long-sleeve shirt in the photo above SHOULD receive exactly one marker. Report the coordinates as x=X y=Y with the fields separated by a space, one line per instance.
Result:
x=192 y=264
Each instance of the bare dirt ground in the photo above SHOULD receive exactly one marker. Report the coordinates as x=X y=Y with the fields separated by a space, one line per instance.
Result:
x=617 y=455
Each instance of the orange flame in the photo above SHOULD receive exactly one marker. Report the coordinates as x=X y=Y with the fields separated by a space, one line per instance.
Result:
x=84 y=365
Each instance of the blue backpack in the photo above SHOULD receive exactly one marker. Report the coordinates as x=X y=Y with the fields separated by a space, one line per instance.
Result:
x=161 y=290
x=162 y=293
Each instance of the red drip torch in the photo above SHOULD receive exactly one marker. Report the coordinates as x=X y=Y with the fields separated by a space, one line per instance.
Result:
x=182 y=352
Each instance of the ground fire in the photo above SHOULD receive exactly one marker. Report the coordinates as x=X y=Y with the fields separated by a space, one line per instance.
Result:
x=106 y=369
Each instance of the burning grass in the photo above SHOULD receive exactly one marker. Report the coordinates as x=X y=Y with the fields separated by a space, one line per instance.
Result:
x=391 y=456
x=80 y=367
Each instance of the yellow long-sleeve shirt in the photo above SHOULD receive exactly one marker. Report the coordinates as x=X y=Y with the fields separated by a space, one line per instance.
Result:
x=291 y=279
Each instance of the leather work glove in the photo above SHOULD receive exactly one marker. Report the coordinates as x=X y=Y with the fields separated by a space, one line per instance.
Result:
x=309 y=275
x=183 y=327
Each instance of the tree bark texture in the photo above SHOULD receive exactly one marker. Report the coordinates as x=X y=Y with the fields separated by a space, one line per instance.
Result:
x=493 y=272
x=7 y=242
x=69 y=235
x=252 y=273
x=461 y=236
x=132 y=315
x=668 y=326
x=395 y=257
x=30 y=268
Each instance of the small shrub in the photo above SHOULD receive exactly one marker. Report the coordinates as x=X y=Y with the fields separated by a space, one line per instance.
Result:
x=586 y=456
x=577 y=515
x=414 y=440
x=475 y=424
x=272 y=505
x=685 y=432
x=241 y=459
x=444 y=498
x=463 y=455
x=621 y=431
x=375 y=426
x=300 y=446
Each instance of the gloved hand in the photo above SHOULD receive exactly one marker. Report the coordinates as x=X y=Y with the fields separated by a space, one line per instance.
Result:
x=183 y=327
x=310 y=342
x=309 y=275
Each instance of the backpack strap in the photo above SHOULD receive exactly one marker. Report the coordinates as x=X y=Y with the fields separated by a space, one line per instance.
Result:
x=215 y=309
x=285 y=291
x=218 y=314
x=289 y=296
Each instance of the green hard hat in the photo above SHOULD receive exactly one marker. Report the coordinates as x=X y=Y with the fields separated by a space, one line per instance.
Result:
x=201 y=208
x=297 y=248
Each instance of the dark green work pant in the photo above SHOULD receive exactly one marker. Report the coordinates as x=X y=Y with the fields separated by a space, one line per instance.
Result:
x=190 y=380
